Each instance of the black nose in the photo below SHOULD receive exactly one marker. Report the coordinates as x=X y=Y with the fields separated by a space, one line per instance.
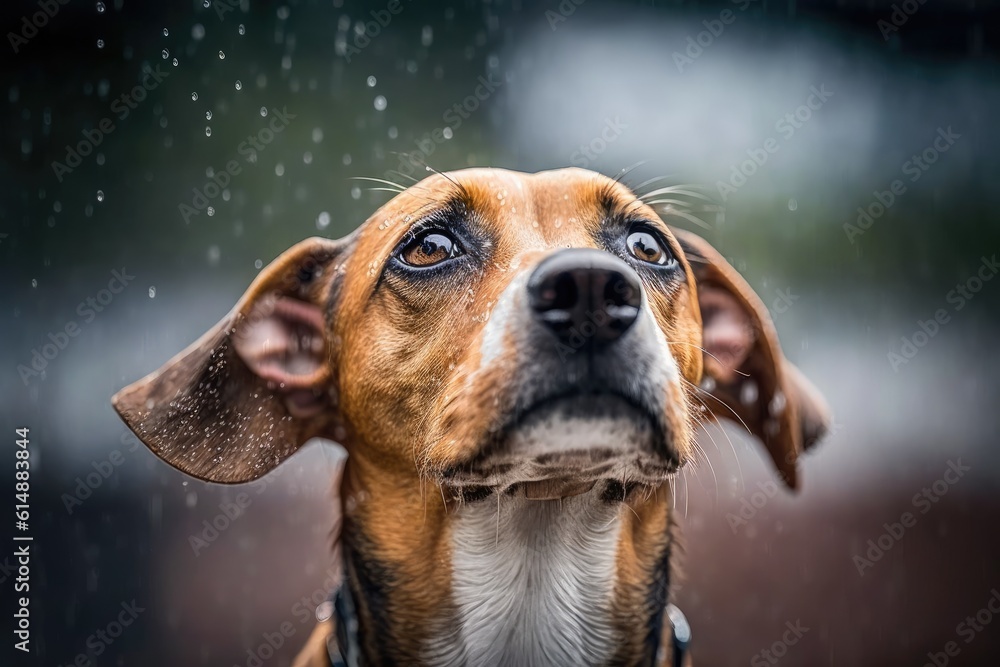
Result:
x=585 y=296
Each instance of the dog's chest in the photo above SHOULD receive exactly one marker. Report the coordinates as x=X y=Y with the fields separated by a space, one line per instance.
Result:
x=532 y=586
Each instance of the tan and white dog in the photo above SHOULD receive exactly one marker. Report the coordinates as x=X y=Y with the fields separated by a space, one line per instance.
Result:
x=516 y=364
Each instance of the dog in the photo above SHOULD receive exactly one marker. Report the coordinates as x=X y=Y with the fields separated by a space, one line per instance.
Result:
x=516 y=365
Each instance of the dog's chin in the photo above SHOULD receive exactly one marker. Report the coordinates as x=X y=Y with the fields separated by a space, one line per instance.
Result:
x=565 y=446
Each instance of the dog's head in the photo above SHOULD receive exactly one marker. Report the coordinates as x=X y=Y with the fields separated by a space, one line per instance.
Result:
x=492 y=331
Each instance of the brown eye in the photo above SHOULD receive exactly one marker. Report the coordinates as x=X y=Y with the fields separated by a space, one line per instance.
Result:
x=643 y=245
x=428 y=249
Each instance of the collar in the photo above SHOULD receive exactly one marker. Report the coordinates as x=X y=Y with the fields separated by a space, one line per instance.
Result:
x=345 y=650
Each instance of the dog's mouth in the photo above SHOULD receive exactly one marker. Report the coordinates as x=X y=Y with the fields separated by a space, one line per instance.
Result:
x=564 y=444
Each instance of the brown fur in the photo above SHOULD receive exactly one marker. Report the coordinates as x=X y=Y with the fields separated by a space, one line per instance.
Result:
x=399 y=384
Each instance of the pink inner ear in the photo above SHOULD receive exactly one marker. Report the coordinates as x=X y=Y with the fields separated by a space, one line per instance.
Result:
x=282 y=341
x=727 y=332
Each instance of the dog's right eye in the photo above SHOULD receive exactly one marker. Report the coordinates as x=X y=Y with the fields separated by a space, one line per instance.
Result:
x=429 y=248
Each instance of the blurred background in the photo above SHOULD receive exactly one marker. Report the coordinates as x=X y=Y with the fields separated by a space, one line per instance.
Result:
x=850 y=148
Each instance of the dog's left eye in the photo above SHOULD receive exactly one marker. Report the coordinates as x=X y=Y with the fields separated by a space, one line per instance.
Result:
x=429 y=248
x=646 y=247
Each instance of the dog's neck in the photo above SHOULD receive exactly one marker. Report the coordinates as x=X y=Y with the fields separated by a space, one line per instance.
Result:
x=512 y=581
x=533 y=583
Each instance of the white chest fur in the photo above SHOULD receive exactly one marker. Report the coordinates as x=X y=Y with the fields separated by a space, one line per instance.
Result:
x=533 y=585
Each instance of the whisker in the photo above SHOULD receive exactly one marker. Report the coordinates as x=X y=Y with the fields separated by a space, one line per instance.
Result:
x=687 y=216
x=708 y=460
x=687 y=493
x=679 y=202
x=652 y=180
x=378 y=180
x=724 y=404
x=624 y=172
x=461 y=188
x=699 y=347
x=677 y=190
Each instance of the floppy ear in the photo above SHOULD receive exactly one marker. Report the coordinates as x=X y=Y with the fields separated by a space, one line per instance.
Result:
x=247 y=394
x=749 y=380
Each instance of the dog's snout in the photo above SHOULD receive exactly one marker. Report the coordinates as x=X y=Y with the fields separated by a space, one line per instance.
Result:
x=585 y=293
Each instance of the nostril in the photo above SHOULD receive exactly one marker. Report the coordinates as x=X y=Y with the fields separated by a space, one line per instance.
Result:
x=565 y=294
x=618 y=291
x=587 y=296
x=555 y=298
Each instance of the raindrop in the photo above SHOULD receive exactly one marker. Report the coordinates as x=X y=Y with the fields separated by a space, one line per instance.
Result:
x=346 y=159
x=34 y=282
x=792 y=205
x=222 y=55
x=427 y=36
x=210 y=211
x=371 y=82
x=166 y=33
x=214 y=254
x=283 y=12
x=175 y=62
x=194 y=97
x=380 y=103
x=100 y=7
x=100 y=195
x=152 y=292
x=100 y=43
x=355 y=192
x=279 y=169
x=448 y=133
x=206 y=4
x=165 y=54
x=257 y=264
x=208 y=131
x=323 y=220
x=317 y=135
x=242 y=29
x=239 y=85
x=208 y=115
x=197 y=31
x=263 y=112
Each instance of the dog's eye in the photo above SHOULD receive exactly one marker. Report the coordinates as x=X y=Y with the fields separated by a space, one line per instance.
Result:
x=644 y=246
x=429 y=248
